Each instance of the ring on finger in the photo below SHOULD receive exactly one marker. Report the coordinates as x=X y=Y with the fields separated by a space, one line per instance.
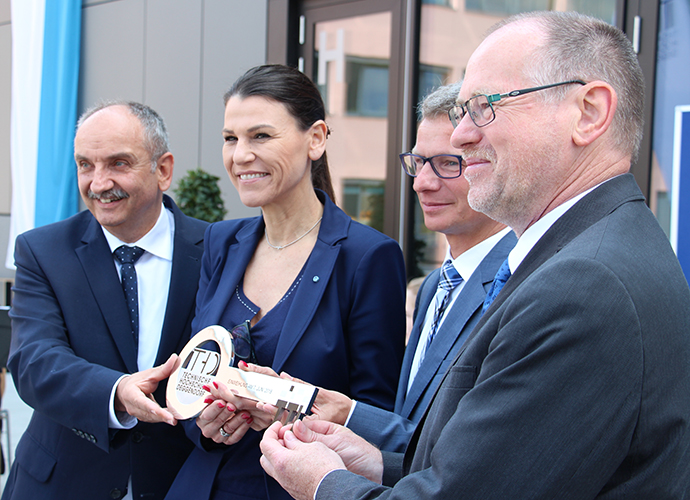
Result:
x=223 y=432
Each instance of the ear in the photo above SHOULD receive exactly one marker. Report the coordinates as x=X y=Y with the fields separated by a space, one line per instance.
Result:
x=164 y=171
x=597 y=103
x=318 y=132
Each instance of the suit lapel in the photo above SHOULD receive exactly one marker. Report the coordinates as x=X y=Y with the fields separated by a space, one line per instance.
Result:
x=239 y=253
x=101 y=273
x=184 y=277
x=454 y=327
x=470 y=299
x=425 y=296
x=317 y=274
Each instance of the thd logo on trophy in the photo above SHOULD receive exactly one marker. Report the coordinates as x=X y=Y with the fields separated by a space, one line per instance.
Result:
x=210 y=355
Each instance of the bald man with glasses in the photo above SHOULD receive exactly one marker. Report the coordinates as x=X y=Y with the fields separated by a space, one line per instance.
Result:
x=574 y=384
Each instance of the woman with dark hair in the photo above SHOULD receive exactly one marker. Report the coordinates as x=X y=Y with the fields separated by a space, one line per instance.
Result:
x=324 y=295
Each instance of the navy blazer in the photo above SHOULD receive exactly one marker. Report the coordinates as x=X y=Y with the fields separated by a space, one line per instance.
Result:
x=391 y=431
x=575 y=382
x=71 y=341
x=347 y=319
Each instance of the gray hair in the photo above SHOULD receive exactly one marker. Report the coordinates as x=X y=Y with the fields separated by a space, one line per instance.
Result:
x=585 y=48
x=156 y=140
x=438 y=101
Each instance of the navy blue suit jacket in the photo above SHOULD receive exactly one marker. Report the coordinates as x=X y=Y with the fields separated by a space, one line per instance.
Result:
x=71 y=340
x=391 y=431
x=575 y=382
x=346 y=323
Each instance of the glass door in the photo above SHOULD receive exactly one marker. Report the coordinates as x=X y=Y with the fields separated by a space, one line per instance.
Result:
x=352 y=50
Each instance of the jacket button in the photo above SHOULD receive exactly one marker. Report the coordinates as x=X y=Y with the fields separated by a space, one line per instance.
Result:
x=137 y=437
x=115 y=493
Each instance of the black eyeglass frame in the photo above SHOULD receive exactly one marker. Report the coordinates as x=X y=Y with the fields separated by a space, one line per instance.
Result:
x=458 y=112
x=424 y=159
x=241 y=333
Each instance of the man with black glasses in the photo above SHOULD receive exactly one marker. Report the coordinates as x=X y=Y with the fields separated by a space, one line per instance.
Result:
x=574 y=384
x=449 y=302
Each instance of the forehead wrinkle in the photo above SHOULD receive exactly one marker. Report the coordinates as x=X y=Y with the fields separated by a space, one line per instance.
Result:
x=110 y=157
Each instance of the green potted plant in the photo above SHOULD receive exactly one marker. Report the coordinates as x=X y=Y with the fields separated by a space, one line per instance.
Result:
x=198 y=195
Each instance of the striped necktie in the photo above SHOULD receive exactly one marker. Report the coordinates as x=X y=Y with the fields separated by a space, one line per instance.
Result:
x=450 y=278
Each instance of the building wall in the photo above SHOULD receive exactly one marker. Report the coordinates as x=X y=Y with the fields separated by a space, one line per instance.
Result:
x=5 y=184
x=178 y=56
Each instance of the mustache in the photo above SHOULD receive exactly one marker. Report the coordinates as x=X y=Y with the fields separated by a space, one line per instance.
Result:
x=484 y=153
x=109 y=195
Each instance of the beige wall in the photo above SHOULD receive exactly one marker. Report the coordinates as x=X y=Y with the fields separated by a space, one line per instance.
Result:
x=178 y=56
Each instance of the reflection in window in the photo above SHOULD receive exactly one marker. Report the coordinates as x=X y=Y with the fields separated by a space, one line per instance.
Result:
x=506 y=7
x=603 y=9
x=445 y=3
x=367 y=87
x=671 y=90
x=431 y=77
x=363 y=201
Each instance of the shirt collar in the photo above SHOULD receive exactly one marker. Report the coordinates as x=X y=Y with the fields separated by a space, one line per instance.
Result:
x=469 y=260
x=158 y=241
x=534 y=233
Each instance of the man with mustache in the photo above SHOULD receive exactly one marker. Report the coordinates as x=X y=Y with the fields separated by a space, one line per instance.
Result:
x=574 y=384
x=84 y=344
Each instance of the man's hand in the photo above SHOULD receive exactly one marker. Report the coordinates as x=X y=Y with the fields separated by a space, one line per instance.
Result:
x=297 y=466
x=299 y=456
x=134 y=393
x=358 y=455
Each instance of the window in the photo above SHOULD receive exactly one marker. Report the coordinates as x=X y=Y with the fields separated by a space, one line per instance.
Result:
x=506 y=7
x=367 y=87
x=363 y=201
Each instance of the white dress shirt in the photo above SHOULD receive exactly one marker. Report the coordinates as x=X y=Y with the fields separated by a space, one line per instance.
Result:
x=465 y=264
x=153 y=269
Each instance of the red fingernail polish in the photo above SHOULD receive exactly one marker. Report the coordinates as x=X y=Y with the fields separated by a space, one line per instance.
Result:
x=245 y=416
x=221 y=405
x=208 y=400
x=230 y=408
x=215 y=384
x=206 y=388
x=243 y=364
x=250 y=420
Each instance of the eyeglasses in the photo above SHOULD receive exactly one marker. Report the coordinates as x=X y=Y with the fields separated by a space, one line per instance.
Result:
x=242 y=342
x=445 y=166
x=482 y=111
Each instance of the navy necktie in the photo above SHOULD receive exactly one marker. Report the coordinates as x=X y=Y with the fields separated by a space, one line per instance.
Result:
x=127 y=257
x=501 y=277
x=450 y=278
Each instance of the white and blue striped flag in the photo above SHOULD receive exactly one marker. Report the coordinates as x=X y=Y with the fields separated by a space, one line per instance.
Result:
x=45 y=76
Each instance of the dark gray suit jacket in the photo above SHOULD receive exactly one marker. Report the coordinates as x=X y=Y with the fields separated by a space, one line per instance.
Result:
x=392 y=431
x=576 y=382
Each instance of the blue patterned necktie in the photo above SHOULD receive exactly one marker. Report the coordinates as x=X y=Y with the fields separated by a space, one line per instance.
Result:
x=450 y=278
x=127 y=257
x=501 y=277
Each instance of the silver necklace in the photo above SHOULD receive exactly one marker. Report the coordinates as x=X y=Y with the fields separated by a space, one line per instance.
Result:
x=280 y=247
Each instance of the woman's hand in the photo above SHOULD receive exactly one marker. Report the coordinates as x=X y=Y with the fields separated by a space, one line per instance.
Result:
x=222 y=420
x=257 y=419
